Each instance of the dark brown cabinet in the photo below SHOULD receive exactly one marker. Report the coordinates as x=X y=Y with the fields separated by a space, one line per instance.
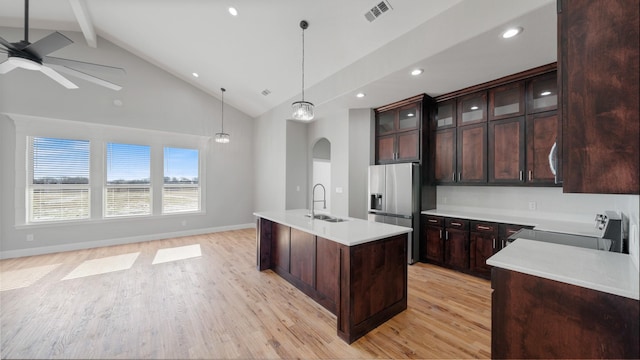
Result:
x=456 y=244
x=445 y=156
x=537 y=318
x=445 y=116
x=281 y=247
x=507 y=150
x=398 y=132
x=542 y=148
x=483 y=241
x=471 y=158
x=434 y=241
x=303 y=256
x=598 y=65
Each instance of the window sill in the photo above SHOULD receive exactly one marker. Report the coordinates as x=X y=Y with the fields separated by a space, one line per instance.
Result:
x=106 y=220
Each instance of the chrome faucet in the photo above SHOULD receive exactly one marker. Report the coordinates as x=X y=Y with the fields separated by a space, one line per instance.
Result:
x=314 y=201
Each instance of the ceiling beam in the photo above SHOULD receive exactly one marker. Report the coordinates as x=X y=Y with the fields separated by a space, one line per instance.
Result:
x=84 y=20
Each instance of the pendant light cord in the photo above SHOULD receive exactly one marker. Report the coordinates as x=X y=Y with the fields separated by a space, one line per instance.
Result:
x=302 y=64
x=26 y=21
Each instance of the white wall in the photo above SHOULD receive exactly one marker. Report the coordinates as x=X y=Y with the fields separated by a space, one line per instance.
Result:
x=360 y=150
x=153 y=100
x=550 y=203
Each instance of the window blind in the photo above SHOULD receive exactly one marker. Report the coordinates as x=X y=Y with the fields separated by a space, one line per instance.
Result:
x=128 y=188
x=59 y=182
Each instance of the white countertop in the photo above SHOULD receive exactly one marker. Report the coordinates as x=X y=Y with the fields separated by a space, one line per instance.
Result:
x=351 y=232
x=609 y=272
x=569 y=227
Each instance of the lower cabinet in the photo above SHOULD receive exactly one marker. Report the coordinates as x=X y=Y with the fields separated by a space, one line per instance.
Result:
x=534 y=318
x=483 y=240
x=464 y=245
x=456 y=248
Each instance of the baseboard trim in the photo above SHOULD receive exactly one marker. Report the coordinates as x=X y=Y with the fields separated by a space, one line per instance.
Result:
x=117 y=241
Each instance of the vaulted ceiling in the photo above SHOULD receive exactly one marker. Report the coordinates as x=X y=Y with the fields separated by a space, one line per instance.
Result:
x=456 y=42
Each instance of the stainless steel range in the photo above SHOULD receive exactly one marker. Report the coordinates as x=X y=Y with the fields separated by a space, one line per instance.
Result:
x=609 y=228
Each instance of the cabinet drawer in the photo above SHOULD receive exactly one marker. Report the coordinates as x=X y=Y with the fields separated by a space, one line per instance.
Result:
x=484 y=227
x=434 y=221
x=507 y=230
x=460 y=224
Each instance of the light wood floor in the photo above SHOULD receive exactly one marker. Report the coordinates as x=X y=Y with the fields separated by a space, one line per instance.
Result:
x=218 y=306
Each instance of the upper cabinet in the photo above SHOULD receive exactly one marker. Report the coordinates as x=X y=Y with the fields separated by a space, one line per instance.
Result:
x=398 y=131
x=506 y=132
x=598 y=70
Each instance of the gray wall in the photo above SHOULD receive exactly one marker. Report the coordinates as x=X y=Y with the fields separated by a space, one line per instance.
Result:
x=153 y=100
x=297 y=165
x=359 y=159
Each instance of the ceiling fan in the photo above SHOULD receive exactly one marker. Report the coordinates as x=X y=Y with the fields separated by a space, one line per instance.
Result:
x=28 y=56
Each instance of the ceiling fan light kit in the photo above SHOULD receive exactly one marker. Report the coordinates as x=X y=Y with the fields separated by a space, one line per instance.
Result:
x=302 y=110
x=222 y=137
x=28 y=56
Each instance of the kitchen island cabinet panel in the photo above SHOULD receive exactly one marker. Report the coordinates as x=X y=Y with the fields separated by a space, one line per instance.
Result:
x=281 y=247
x=533 y=317
x=328 y=272
x=303 y=256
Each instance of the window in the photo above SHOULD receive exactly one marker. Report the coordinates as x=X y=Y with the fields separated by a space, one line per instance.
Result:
x=181 y=190
x=58 y=183
x=128 y=187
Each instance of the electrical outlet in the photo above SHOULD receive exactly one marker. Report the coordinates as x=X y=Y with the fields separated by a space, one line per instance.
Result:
x=29 y=237
x=339 y=190
x=184 y=222
x=532 y=205
x=298 y=188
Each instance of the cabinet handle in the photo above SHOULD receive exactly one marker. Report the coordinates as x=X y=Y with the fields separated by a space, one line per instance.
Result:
x=530 y=175
x=483 y=227
x=446 y=234
x=503 y=244
x=453 y=176
x=440 y=234
x=459 y=176
x=433 y=220
x=521 y=175
x=456 y=224
x=494 y=243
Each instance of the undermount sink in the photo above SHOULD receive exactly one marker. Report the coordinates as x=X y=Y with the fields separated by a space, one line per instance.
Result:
x=326 y=218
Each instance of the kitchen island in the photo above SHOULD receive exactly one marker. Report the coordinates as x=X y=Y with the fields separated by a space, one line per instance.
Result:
x=354 y=268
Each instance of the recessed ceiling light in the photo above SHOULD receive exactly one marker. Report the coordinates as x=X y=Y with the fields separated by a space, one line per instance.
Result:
x=474 y=108
x=361 y=95
x=233 y=11
x=195 y=74
x=512 y=32
x=545 y=93
x=416 y=72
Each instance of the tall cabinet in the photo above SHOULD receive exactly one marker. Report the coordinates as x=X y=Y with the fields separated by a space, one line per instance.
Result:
x=598 y=70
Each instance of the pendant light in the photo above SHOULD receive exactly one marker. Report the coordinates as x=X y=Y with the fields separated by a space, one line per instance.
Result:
x=222 y=137
x=302 y=110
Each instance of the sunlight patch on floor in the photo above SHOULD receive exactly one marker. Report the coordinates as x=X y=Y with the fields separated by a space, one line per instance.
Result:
x=103 y=265
x=16 y=279
x=177 y=253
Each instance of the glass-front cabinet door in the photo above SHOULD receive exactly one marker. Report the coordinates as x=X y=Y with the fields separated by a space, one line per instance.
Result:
x=543 y=93
x=385 y=122
x=408 y=117
x=472 y=109
x=445 y=115
x=506 y=101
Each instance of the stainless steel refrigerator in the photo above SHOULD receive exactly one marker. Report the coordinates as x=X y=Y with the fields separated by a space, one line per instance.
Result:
x=394 y=198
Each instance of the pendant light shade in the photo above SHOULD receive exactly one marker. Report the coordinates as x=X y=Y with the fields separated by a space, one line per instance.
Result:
x=222 y=137
x=302 y=110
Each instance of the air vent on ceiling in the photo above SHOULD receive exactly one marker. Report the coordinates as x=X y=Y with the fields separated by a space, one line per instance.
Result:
x=266 y=92
x=378 y=10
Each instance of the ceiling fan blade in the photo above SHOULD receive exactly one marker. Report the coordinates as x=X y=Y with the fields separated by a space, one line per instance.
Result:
x=57 y=77
x=6 y=44
x=85 y=66
x=87 y=77
x=7 y=66
x=48 y=44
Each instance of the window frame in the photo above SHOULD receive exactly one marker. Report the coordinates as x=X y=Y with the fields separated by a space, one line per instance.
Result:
x=165 y=185
x=107 y=186
x=99 y=135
